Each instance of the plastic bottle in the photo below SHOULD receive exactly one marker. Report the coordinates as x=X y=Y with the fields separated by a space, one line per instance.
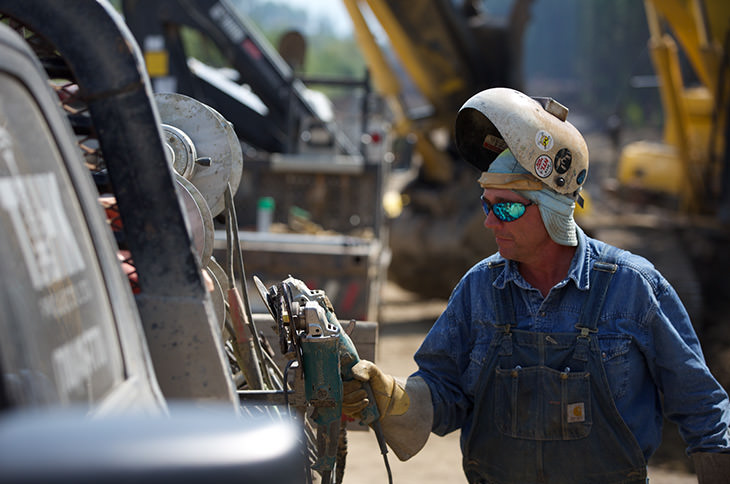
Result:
x=265 y=214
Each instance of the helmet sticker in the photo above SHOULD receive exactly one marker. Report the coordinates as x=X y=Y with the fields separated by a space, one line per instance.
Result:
x=581 y=177
x=494 y=143
x=543 y=166
x=544 y=140
x=563 y=160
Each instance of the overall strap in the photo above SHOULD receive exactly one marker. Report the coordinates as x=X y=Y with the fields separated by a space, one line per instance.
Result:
x=602 y=271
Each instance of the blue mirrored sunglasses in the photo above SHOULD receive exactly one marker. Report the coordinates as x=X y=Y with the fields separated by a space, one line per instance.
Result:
x=505 y=211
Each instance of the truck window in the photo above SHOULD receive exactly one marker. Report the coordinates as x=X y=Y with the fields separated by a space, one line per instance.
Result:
x=59 y=343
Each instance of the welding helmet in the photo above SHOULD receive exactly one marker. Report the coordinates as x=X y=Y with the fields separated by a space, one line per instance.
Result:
x=535 y=130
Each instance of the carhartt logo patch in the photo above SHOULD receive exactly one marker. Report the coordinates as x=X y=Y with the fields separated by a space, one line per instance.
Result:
x=576 y=412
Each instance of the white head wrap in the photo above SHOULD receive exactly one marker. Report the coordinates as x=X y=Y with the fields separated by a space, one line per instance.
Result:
x=556 y=210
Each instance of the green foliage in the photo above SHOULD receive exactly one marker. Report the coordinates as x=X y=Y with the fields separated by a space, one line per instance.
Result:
x=202 y=48
x=327 y=54
x=334 y=56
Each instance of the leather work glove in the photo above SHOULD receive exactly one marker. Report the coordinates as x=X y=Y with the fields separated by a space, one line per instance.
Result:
x=711 y=468
x=390 y=397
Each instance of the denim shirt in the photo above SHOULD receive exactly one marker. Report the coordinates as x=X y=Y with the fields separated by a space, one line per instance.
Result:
x=648 y=348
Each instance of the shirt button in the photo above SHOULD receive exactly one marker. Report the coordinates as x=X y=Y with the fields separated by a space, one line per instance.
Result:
x=542 y=314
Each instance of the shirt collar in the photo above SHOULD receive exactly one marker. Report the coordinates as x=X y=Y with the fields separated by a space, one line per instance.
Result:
x=580 y=265
x=579 y=270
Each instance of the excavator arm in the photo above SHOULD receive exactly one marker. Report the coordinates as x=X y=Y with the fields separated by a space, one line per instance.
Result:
x=447 y=52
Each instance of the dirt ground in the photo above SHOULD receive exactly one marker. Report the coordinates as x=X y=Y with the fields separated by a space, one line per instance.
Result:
x=404 y=322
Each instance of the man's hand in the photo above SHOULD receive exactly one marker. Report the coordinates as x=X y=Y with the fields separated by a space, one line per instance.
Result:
x=390 y=398
x=405 y=407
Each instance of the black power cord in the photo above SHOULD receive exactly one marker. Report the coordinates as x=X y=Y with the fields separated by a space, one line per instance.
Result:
x=378 y=429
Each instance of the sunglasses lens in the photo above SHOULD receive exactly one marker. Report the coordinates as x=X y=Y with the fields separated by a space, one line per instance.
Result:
x=485 y=206
x=504 y=211
x=508 y=211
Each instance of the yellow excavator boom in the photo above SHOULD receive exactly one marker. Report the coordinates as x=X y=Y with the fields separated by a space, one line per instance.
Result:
x=688 y=163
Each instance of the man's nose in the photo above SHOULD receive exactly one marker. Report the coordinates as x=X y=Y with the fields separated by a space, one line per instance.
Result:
x=491 y=221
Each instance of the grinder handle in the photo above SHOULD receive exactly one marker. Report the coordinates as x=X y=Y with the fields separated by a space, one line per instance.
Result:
x=348 y=359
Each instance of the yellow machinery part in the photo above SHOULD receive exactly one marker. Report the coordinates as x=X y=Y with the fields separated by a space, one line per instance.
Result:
x=684 y=164
x=652 y=166
x=435 y=163
x=157 y=62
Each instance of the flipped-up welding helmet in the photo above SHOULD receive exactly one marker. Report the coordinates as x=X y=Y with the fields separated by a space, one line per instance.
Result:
x=535 y=130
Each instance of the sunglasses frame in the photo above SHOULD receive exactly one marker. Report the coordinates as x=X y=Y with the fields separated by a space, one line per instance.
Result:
x=504 y=209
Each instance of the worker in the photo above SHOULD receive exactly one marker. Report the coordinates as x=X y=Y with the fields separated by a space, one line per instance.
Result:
x=558 y=356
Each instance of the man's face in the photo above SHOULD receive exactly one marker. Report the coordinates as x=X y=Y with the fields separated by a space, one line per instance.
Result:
x=520 y=240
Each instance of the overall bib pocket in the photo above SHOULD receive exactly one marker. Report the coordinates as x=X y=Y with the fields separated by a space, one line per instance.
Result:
x=539 y=403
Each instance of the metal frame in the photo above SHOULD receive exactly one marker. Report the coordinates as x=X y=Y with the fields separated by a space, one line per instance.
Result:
x=176 y=312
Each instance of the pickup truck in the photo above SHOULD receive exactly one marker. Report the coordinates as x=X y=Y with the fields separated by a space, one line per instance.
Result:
x=94 y=383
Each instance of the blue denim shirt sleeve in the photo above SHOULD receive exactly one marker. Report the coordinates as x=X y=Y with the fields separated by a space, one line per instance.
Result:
x=449 y=358
x=651 y=354
x=692 y=397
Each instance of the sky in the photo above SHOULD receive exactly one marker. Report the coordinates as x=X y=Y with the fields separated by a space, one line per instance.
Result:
x=334 y=10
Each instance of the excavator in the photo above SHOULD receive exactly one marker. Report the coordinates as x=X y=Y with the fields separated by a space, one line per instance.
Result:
x=683 y=178
x=689 y=162
x=446 y=51
x=449 y=50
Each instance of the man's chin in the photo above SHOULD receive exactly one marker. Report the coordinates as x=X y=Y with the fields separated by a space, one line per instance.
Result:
x=504 y=245
x=506 y=253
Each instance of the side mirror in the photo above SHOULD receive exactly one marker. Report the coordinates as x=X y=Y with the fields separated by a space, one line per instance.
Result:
x=190 y=445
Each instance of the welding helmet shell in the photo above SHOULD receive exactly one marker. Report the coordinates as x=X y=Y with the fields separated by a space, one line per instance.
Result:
x=534 y=129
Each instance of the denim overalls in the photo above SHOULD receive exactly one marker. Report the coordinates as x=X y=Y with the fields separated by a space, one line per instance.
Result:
x=543 y=412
